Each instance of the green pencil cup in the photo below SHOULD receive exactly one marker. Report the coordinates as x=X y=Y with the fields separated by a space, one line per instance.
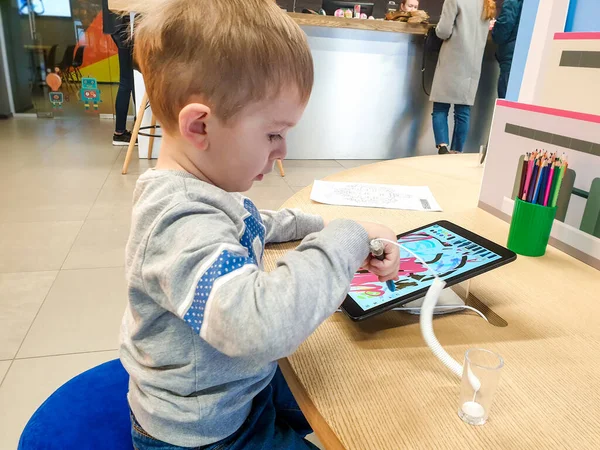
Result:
x=530 y=228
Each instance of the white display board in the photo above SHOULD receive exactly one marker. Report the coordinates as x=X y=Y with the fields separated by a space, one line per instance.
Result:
x=507 y=144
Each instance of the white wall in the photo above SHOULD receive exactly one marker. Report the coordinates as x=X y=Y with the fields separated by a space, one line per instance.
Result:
x=570 y=88
x=550 y=19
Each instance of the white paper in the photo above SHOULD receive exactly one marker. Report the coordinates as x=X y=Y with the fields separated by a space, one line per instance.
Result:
x=416 y=198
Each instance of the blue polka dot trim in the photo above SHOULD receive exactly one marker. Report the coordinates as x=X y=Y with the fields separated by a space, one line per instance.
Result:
x=227 y=262
x=254 y=229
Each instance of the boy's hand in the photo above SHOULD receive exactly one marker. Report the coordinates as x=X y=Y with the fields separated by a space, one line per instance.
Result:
x=388 y=268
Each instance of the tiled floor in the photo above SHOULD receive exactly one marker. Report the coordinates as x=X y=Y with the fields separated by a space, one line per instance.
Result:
x=64 y=220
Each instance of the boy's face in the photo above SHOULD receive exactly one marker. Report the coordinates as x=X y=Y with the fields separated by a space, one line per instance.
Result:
x=241 y=152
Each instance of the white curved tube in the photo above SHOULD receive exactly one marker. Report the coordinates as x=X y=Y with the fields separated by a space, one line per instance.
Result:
x=426 y=322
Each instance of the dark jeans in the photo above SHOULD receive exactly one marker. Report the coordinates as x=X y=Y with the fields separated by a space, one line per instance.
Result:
x=125 y=81
x=275 y=422
x=462 y=116
x=503 y=79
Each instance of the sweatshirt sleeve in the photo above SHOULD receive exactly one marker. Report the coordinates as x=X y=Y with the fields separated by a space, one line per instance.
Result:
x=506 y=23
x=289 y=225
x=210 y=277
x=445 y=26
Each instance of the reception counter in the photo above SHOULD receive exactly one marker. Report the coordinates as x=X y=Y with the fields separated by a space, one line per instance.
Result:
x=313 y=20
x=367 y=100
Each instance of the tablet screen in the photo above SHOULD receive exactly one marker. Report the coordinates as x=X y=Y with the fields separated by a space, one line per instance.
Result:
x=445 y=251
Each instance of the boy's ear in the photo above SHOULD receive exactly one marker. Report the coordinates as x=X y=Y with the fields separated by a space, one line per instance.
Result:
x=192 y=124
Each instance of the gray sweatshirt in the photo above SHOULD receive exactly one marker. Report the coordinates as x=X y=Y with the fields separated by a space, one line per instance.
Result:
x=205 y=323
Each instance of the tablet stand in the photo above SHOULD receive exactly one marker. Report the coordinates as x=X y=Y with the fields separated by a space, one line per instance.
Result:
x=452 y=296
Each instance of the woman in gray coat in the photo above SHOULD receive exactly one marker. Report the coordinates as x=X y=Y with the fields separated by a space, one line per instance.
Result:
x=464 y=27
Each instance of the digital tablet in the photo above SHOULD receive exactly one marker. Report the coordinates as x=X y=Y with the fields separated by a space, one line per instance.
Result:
x=454 y=253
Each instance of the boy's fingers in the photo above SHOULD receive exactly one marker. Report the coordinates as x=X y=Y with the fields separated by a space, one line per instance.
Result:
x=383 y=269
x=387 y=263
x=375 y=263
x=388 y=278
x=391 y=251
x=378 y=271
x=393 y=276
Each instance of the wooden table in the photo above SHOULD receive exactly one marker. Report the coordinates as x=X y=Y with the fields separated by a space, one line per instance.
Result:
x=376 y=385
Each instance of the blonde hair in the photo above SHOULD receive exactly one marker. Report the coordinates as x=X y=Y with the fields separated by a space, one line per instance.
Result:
x=489 y=9
x=226 y=54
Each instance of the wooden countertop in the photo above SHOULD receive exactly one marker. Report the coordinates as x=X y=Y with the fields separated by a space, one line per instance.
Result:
x=376 y=385
x=118 y=5
x=329 y=21
x=358 y=24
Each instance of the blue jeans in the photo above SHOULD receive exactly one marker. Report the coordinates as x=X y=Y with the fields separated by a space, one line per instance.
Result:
x=462 y=116
x=275 y=422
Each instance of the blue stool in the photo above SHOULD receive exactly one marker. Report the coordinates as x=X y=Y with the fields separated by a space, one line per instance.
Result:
x=88 y=412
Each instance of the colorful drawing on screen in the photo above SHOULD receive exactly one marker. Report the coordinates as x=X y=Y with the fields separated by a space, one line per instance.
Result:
x=447 y=253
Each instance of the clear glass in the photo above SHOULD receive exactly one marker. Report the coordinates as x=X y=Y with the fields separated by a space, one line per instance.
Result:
x=481 y=374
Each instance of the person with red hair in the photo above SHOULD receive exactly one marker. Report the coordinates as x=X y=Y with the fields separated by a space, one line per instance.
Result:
x=464 y=28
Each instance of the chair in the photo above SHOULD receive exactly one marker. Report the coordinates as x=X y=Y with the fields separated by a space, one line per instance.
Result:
x=136 y=130
x=78 y=61
x=280 y=166
x=88 y=412
x=66 y=64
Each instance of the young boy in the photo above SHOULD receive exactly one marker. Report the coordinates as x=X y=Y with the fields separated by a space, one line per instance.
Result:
x=205 y=324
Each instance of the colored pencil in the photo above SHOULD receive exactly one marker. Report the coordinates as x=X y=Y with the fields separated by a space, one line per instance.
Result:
x=544 y=187
x=533 y=181
x=539 y=182
x=549 y=183
x=539 y=197
x=542 y=174
x=530 y=165
x=523 y=174
x=561 y=175
x=554 y=181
